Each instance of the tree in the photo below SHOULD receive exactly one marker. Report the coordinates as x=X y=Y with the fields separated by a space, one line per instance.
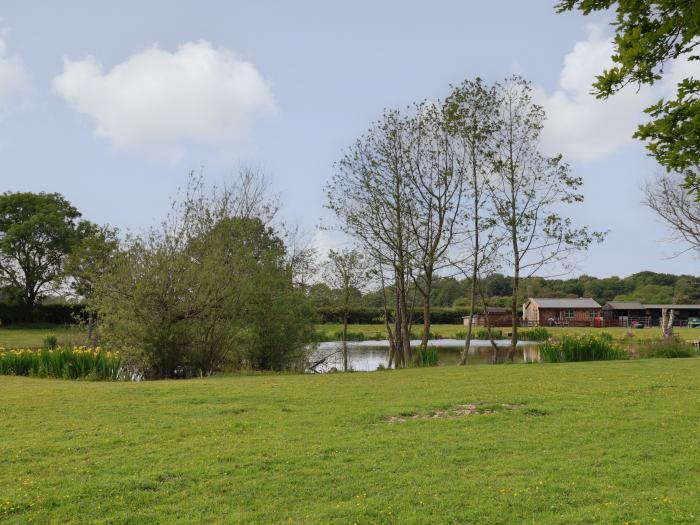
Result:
x=649 y=33
x=678 y=211
x=92 y=256
x=527 y=191
x=471 y=109
x=439 y=161
x=37 y=232
x=211 y=285
x=372 y=199
x=346 y=272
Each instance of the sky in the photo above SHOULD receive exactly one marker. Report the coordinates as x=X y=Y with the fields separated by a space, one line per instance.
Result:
x=113 y=104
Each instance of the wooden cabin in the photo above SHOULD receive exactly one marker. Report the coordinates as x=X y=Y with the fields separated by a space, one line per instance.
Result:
x=633 y=313
x=562 y=312
x=498 y=317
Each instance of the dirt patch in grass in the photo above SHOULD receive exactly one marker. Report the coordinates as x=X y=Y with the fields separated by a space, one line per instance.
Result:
x=454 y=412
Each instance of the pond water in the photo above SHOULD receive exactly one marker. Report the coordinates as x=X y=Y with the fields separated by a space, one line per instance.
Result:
x=366 y=356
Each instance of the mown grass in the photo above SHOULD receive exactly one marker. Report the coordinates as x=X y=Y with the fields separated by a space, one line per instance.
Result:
x=600 y=442
x=329 y=332
x=34 y=336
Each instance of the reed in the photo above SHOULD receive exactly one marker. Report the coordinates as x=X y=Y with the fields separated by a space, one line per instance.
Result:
x=426 y=356
x=598 y=347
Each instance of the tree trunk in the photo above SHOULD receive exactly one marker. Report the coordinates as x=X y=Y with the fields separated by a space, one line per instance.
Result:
x=345 y=339
x=426 y=312
x=472 y=305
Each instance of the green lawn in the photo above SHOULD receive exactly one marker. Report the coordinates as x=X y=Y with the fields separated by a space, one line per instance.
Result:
x=32 y=337
x=328 y=331
x=23 y=337
x=605 y=442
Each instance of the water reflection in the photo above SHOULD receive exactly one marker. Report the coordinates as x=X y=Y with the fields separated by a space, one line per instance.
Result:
x=367 y=356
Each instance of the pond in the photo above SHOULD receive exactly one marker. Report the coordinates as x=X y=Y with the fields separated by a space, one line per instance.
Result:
x=366 y=356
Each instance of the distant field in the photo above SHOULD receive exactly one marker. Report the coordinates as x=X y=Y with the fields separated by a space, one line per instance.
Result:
x=31 y=337
x=603 y=442
x=329 y=331
x=34 y=337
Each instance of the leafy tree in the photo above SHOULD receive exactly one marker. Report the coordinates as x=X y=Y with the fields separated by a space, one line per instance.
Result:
x=212 y=285
x=347 y=272
x=649 y=33
x=37 y=233
x=528 y=191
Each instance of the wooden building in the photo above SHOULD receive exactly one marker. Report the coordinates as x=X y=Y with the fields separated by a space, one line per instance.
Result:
x=562 y=312
x=625 y=313
x=634 y=313
x=498 y=317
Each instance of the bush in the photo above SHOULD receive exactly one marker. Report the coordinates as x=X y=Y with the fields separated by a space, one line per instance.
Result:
x=483 y=333
x=426 y=356
x=598 y=347
x=669 y=349
x=535 y=334
x=352 y=336
x=51 y=341
x=65 y=363
x=14 y=314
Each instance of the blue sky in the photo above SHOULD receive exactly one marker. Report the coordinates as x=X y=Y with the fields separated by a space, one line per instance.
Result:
x=112 y=104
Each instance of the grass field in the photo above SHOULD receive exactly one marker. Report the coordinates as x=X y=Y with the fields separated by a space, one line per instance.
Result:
x=449 y=331
x=604 y=442
x=23 y=337
x=33 y=337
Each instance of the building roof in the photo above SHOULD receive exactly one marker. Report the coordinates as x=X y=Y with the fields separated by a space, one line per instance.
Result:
x=624 y=305
x=566 y=303
x=496 y=310
x=674 y=306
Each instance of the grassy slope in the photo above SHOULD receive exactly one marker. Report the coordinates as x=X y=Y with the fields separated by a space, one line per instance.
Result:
x=619 y=444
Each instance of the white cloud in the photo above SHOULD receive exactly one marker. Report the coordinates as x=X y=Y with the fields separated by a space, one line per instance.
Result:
x=158 y=103
x=14 y=83
x=585 y=128
x=579 y=125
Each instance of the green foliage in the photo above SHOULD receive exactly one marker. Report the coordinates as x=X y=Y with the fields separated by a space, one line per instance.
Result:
x=51 y=341
x=649 y=34
x=667 y=348
x=534 y=334
x=206 y=289
x=426 y=356
x=598 y=347
x=483 y=334
x=62 y=363
x=37 y=232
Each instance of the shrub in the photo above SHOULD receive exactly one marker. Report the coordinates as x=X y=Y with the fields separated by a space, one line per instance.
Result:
x=670 y=349
x=51 y=341
x=66 y=363
x=426 y=356
x=483 y=333
x=535 y=334
x=352 y=336
x=598 y=347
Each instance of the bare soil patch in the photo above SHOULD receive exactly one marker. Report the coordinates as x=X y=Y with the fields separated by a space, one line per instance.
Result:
x=454 y=412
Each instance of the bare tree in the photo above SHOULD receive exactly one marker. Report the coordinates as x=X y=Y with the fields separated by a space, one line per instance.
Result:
x=678 y=211
x=346 y=272
x=437 y=179
x=371 y=198
x=471 y=111
x=528 y=190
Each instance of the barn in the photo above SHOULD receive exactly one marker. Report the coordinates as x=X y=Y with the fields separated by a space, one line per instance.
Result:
x=561 y=312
